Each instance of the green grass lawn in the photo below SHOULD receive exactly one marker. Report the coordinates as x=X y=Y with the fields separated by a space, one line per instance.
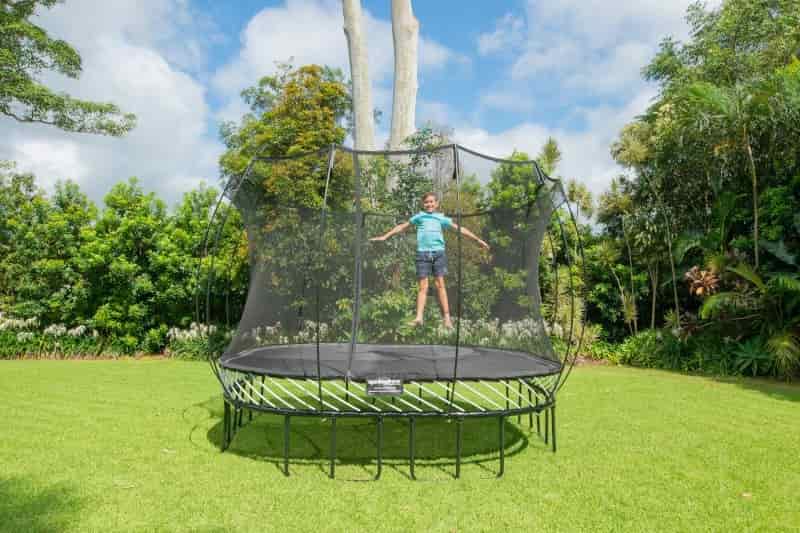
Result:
x=133 y=445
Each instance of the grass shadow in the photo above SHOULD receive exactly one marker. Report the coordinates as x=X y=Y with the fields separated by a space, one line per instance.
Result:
x=28 y=506
x=356 y=439
x=779 y=390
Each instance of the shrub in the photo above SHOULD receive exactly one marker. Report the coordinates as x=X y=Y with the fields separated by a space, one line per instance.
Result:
x=155 y=340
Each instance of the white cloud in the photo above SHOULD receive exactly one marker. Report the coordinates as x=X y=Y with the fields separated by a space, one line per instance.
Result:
x=126 y=48
x=586 y=154
x=49 y=160
x=592 y=50
x=506 y=100
x=508 y=32
x=585 y=44
x=438 y=114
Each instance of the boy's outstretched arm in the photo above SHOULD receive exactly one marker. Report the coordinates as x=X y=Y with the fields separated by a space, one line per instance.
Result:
x=471 y=235
x=394 y=231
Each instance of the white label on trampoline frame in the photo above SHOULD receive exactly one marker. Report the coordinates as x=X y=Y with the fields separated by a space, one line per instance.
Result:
x=384 y=387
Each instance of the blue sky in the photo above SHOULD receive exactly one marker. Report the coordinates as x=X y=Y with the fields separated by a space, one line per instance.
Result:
x=502 y=75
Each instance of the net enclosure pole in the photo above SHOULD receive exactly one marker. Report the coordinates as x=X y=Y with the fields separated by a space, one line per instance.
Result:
x=322 y=228
x=359 y=221
x=457 y=176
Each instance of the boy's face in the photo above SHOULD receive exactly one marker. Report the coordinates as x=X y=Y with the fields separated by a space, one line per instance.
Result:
x=430 y=203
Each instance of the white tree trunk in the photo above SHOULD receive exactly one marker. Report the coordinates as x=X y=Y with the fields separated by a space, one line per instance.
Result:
x=405 y=30
x=364 y=127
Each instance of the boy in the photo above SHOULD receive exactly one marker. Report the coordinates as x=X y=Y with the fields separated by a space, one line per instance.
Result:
x=431 y=257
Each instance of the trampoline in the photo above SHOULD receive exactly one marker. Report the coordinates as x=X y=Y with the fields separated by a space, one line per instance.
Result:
x=324 y=330
x=374 y=361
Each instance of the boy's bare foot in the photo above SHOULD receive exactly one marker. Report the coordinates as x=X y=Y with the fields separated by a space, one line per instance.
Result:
x=415 y=323
x=448 y=323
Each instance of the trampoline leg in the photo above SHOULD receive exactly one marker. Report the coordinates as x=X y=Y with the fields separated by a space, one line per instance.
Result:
x=286 y=419
x=412 y=424
x=333 y=446
x=538 y=420
x=546 y=425
x=380 y=448
x=250 y=411
x=226 y=421
x=553 y=416
x=519 y=391
x=530 y=402
x=459 y=424
x=231 y=422
x=502 y=446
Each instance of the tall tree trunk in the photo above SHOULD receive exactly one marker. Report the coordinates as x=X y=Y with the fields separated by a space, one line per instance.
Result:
x=630 y=266
x=364 y=132
x=622 y=300
x=708 y=203
x=405 y=30
x=754 y=177
x=654 y=295
x=672 y=267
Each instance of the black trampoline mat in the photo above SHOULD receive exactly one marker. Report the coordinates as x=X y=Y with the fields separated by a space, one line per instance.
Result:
x=406 y=362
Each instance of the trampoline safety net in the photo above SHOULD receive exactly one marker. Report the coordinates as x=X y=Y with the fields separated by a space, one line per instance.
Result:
x=326 y=302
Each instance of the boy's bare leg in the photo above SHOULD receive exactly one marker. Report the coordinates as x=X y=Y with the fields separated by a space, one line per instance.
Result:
x=422 y=295
x=441 y=292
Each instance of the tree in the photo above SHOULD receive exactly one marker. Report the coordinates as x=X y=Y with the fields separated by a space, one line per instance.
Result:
x=738 y=41
x=549 y=156
x=364 y=129
x=296 y=111
x=118 y=262
x=405 y=31
x=25 y=51
x=578 y=195
x=730 y=114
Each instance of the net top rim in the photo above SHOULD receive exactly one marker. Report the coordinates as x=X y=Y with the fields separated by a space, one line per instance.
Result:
x=441 y=148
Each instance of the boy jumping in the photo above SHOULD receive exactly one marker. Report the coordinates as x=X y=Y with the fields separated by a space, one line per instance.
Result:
x=431 y=257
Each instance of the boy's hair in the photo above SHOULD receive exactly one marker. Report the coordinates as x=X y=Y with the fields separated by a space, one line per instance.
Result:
x=431 y=193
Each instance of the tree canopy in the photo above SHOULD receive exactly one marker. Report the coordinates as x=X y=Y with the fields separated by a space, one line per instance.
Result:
x=27 y=50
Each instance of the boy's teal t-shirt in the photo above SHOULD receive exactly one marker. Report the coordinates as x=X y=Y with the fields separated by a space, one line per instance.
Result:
x=429 y=230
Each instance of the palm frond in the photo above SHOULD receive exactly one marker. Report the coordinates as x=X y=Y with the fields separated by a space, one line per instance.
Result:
x=685 y=243
x=710 y=98
x=717 y=262
x=748 y=272
x=719 y=303
x=778 y=250
x=785 y=349
x=785 y=283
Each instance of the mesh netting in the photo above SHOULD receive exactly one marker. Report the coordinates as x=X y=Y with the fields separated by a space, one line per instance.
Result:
x=327 y=302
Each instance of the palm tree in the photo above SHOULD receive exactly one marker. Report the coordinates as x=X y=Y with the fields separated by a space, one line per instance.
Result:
x=729 y=115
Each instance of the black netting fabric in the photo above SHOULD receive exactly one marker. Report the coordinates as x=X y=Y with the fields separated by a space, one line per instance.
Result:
x=327 y=301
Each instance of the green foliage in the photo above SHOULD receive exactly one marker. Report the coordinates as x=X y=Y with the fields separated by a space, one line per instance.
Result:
x=713 y=173
x=651 y=349
x=128 y=271
x=770 y=310
x=602 y=351
x=296 y=111
x=512 y=186
x=26 y=50
x=752 y=357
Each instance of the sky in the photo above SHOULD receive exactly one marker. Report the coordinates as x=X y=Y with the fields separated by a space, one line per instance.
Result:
x=501 y=75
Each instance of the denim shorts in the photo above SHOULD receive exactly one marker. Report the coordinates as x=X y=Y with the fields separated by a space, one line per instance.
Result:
x=431 y=263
